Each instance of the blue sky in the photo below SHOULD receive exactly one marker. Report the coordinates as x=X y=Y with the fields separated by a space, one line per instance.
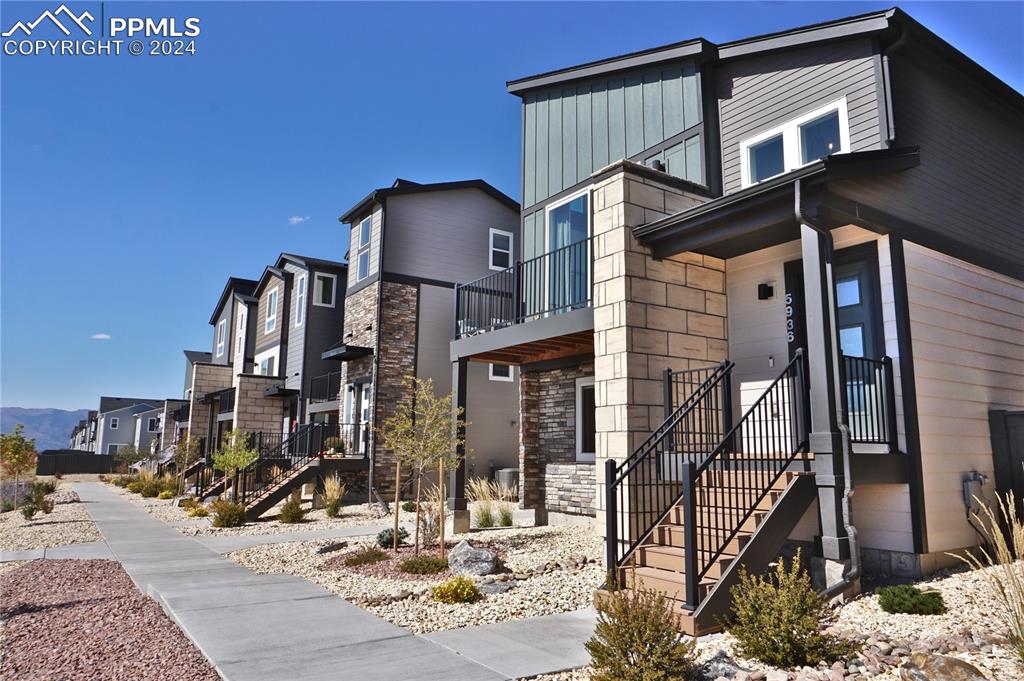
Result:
x=132 y=187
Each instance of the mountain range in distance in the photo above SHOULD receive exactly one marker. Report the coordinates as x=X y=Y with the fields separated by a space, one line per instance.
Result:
x=50 y=428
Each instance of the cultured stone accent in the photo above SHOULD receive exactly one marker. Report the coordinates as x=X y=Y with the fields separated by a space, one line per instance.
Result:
x=254 y=411
x=547 y=413
x=206 y=378
x=569 y=488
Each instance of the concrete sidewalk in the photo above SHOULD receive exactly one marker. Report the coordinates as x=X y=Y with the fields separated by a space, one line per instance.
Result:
x=86 y=550
x=264 y=627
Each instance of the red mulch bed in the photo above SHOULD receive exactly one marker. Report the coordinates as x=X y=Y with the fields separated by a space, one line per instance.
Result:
x=85 y=619
x=389 y=568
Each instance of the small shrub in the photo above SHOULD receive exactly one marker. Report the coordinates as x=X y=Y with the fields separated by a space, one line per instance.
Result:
x=188 y=503
x=423 y=565
x=409 y=506
x=637 y=639
x=910 y=600
x=386 y=538
x=6 y=506
x=484 y=514
x=150 y=489
x=28 y=510
x=334 y=443
x=778 y=619
x=198 y=512
x=505 y=515
x=165 y=495
x=366 y=556
x=44 y=487
x=168 y=483
x=292 y=511
x=334 y=490
x=227 y=513
x=135 y=486
x=456 y=590
x=37 y=501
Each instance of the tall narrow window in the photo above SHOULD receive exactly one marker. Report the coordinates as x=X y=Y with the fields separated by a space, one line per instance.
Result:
x=271 y=323
x=586 y=428
x=568 y=257
x=114 y=422
x=501 y=249
x=240 y=337
x=363 y=249
x=222 y=326
x=151 y=424
x=323 y=290
x=300 y=299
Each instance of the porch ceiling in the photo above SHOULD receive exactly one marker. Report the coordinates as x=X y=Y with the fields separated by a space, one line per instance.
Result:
x=569 y=345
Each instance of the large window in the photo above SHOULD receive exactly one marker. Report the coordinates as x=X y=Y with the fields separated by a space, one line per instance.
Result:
x=586 y=425
x=805 y=139
x=300 y=299
x=500 y=253
x=222 y=327
x=363 y=249
x=271 y=322
x=323 y=290
x=568 y=255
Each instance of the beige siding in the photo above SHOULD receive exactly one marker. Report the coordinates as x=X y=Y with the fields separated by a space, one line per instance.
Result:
x=967 y=326
x=353 y=257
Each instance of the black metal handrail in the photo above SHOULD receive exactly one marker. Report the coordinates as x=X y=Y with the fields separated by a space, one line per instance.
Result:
x=869 y=400
x=728 y=484
x=553 y=283
x=325 y=388
x=643 y=489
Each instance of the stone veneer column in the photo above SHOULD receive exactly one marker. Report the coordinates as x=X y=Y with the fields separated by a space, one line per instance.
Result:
x=648 y=314
x=206 y=378
x=254 y=411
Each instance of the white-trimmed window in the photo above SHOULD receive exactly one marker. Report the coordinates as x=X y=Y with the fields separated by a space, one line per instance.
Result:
x=798 y=142
x=363 y=248
x=112 y=449
x=271 y=323
x=114 y=422
x=240 y=338
x=500 y=372
x=222 y=327
x=151 y=424
x=500 y=251
x=300 y=299
x=323 y=289
x=266 y=362
x=586 y=430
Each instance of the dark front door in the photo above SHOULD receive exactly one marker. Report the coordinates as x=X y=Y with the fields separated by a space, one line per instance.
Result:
x=1007 y=430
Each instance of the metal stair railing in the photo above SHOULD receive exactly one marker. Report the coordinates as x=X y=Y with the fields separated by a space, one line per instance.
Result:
x=300 y=448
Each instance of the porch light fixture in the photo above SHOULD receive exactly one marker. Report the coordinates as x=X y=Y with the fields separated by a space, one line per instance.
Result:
x=765 y=291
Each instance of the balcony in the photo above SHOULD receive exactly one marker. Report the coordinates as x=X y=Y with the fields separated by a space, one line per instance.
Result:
x=226 y=401
x=870 y=401
x=325 y=388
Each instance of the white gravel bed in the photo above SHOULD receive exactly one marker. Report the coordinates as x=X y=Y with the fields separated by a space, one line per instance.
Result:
x=69 y=523
x=558 y=590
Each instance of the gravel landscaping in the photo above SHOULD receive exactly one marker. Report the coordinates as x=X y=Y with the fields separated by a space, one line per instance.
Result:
x=69 y=523
x=85 y=619
x=550 y=570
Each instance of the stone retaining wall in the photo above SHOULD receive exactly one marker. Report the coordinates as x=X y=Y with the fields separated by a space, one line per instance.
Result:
x=569 y=488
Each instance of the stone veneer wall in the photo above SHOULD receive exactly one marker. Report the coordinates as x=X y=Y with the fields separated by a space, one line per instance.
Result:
x=648 y=314
x=569 y=488
x=547 y=435
x=254 y=411
x=205 y=379
x=361 y=321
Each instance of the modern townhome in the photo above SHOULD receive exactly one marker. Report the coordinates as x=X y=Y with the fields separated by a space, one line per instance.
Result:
x=83 y=435
x=115 y=426
x=147 y=428
x=408 y=245
x=768 y=291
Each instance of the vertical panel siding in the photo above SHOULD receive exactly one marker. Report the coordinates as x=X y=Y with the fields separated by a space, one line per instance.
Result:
x=571 y=132
x=763 y=92
x=967 y=326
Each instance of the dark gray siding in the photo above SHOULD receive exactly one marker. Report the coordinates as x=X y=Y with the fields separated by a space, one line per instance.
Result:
x=763 y=92
x=969 y=184
x=226 y=315
x=353 y=250
x=433 y=335
x=323 y=328
x=296 y=334
x=570 y=132
x=444 y=235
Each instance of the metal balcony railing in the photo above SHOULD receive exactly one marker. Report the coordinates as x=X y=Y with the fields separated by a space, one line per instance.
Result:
x=226 y=401
x=869 y=400
x=325 y=388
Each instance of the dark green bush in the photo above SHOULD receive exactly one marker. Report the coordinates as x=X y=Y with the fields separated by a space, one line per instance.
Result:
x=409 y=506
x=44 y=487
x=910 y=600
x=423 y=565
x=366 y=556
x=6 y=506
x=637 y=639
x=386 y=538
x=456 y=590
x=37 y=500
x=292 y=511
x=227 y=513
x=778 y=619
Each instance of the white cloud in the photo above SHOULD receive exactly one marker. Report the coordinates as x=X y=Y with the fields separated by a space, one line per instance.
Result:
x=297 y=219
x=100 y=336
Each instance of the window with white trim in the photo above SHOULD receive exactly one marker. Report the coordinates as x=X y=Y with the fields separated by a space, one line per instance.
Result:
x=222 y=326
x=798 y=142
x=112 y=449
x=271 y=322
x=500 y=252
x=114 y=422
x=363 y=249
x=500 y=372
x=586 y=428
x=266 y=366
x=323 y=289
x=240 y=339
x=151 y=424
x=300 y=299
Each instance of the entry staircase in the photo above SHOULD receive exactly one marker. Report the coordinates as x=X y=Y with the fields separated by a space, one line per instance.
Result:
x=704 y=495
x=274 y=476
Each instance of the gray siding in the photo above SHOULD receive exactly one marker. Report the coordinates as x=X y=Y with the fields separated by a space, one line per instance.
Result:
x=763 y=92
x=570 y=132
x=294 y=352
x=375 y=232
x=969 y=183
x=433 y=335
x=264 y=340
x=323 y=328
x=444 y=235
x=226 y=315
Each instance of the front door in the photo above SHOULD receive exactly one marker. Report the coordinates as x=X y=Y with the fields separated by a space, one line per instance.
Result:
x=1007 y=431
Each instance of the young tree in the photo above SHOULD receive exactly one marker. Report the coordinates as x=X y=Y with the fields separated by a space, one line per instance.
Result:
x=130 y=456
x=398 y=433
x=186 y=452
x=235 y=452
x=445 y=443
x=17 y=455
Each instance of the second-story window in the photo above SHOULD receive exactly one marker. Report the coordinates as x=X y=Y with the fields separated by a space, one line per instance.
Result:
x=363 y=249
x=323 y=290
x=500 y=254
x=114 y=422
x=151 y=424
x=300 y=299
x=805 y=139
x=240 y=338
x=271 y=323
x=221 y=333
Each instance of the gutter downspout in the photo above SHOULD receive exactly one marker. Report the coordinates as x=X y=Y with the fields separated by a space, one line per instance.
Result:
x=851 y=531
x=897 y=44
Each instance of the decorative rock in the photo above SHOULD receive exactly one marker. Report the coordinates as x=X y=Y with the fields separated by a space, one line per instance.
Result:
x=495 y=587
x=776 y=675
x=465 y=559
x=721 y=664
x=924 y=666
x=329 y=548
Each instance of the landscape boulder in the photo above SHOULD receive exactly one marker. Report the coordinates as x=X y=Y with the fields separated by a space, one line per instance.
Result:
x=466 y=559
x=932 y=667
